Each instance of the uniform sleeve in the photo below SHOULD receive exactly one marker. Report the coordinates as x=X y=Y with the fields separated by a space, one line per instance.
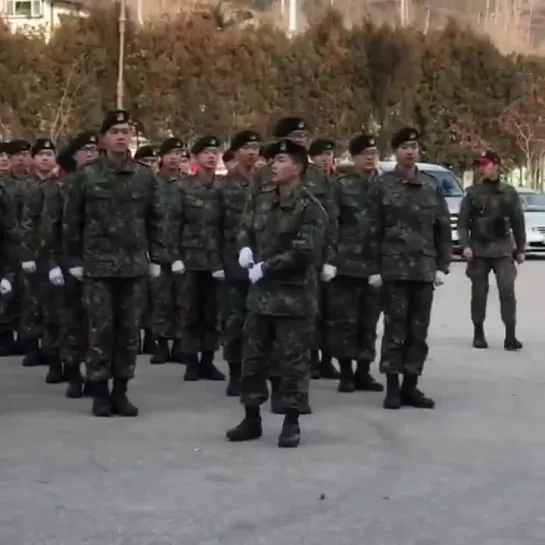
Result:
x=9 y=238
x=376 y=227
x=302 y=252
x=517 y=222
x=464 y=220
x=73 y=220
x=30 y=220
x=245 y=236
x=215 y=234
x=332 y=227
x=179 y=223
x=50 y=229
x=442 y=234
x=157 y=223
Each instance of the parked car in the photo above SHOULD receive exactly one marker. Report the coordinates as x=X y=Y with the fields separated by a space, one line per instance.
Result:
x=533 y=203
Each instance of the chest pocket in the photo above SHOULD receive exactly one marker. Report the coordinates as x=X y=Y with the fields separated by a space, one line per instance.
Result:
x=195 y=206
x=262 y=213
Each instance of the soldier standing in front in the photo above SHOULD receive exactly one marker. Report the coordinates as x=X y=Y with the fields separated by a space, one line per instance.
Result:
x=410 y=249
x=278 y=235
x=110 y=220
x=490 y=219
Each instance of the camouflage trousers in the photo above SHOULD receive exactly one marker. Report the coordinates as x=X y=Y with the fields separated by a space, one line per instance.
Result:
x=41 y=304
x=167 y=304
x=200 y=316
x=10 y=307
x=114 y=308
x=322 y=320
x=290 y=339
x=505 y=270
x=353 y=311
x=147 y=315
x=236 y=293
x=407 y=310
x=73 y=323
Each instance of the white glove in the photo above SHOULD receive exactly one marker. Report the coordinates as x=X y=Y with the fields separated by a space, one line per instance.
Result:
x=375 y=281
x=329 y=272
x=256 y=273
x=56 y=277
x=76 y=272
x=219 y=275
x=29 y=266
x=154 y=270
x=439 y=279
x=178 y=267
x=5 y=286
x=246 y=258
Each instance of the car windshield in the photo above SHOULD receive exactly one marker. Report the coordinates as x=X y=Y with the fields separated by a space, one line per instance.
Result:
x=533 y=199
x=447 y=182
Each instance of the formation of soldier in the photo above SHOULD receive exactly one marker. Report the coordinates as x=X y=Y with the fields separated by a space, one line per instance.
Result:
x=283 y=264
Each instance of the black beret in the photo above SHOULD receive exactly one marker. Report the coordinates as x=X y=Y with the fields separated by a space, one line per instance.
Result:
x=204 y=142
x=321 y=145
x=42 y=144
x=404 y=135
x=228 y=155
x=66 y=160
x=170 y=144
x=4 y=146
x=291 y=148
x=83 y=139
x=287 y=125
x=360 y=143
x=145 y=152
x=488 y=156
x=114 y=117
x=265 y=151
x=18 y=145
x=244 y=137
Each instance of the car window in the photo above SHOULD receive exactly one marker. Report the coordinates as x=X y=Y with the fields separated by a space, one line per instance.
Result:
x=533 y=199
x=448 y=183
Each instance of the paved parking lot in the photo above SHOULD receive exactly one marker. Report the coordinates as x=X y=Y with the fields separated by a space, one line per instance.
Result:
x=470 y=472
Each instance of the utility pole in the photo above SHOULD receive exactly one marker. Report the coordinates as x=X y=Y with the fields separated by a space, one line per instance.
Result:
x=292 y=18
x=121 y=57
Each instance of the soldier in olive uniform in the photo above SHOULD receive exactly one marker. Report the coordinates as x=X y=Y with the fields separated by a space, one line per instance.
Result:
x=41 y=300
x=8 y=239
x=15 y=185
x=410 y=250
x=233 y=193
x=166 y=293
x=81 y=150
x=353 y=305
x=490 y=218
x=185 y=163
x=110 y=224
x=197 y=258
x=4 y=160
x=229 y=160
x=277 y=242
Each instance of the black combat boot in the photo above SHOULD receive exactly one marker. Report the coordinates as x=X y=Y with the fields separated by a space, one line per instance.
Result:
x=392 y=400
x=411 y=396
x=207 y=369
x=192 y=367
x=250 y=428
x=33 y=355
x=7 y=344
x=149 y=342
x=233 y=386
x=161 y=352
x=479 y=339
x=511 y=342
x=290 y=436
x=346 y=382
x=87 y=388
x=119 y=402
x=101 y=399
x=176 y=354
x=364 y=380
x=314 y=364
x=55 y=373
x=327 y=369
x=74 y=390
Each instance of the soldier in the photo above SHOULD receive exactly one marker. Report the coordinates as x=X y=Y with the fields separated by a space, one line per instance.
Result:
x=322 y=153
x=233 y=193
x=110 y=223
x=41 y=301
x=353 y=305
x=4 y=159
x=147 y=155
x=262 y=160
x=229 y=161
x=166 y=303
x=277 y=241
x=410 y=250
x=82 y=150
x=197 y=257
x=185 y=163
x=490 y=218
x=8 y=240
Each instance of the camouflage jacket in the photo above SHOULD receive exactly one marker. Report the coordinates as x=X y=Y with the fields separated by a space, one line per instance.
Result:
x=8 y=235
x=110 y=219
x=197 y=223
x=50 y=230
x=490 y=217
x=16 y=189
x=282 y=234
x=411 y=237
x=233 y=193
x=354 y=228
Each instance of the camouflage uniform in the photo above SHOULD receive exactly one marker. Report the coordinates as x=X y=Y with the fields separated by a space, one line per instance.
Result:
x=353 y=305
x=8 y=241
x=110 y=221
x=490 y=212
x=410 y=241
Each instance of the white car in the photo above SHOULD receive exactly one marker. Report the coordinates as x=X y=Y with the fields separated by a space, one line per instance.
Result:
x=533 y=204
